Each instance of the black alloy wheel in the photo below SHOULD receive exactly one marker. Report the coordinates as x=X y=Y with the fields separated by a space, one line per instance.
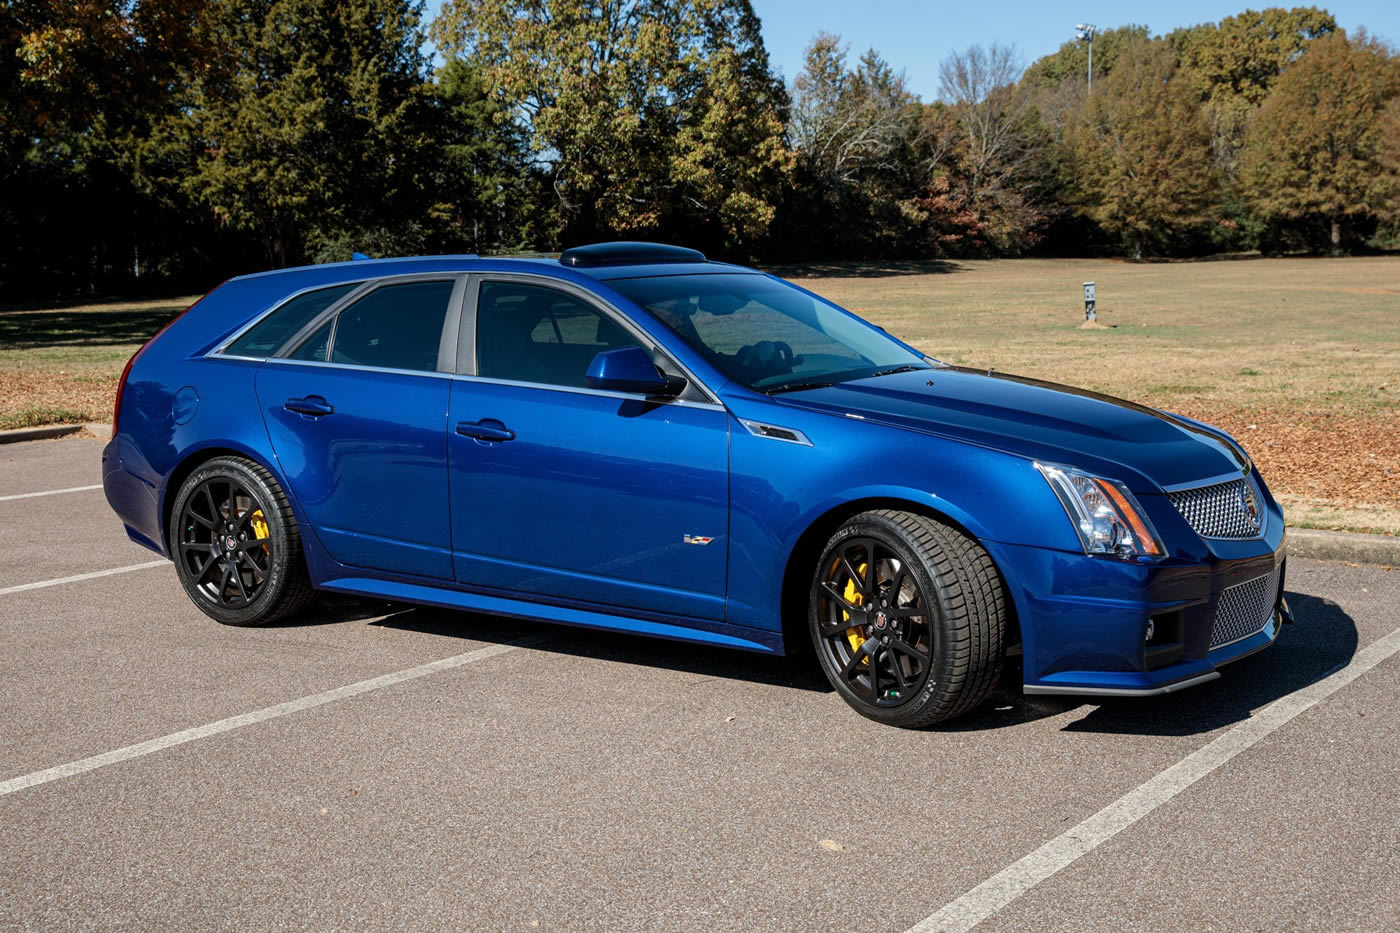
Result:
x=875 y=622
x=236 y=544
x=224 y=544
x=909 y=618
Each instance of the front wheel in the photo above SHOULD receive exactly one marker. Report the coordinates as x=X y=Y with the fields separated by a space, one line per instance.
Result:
x=908 y=617
x=236 y=544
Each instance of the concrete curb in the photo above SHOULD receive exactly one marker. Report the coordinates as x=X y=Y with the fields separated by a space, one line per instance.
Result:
x=1345 y=546
x=45 y=432
x=18 y=435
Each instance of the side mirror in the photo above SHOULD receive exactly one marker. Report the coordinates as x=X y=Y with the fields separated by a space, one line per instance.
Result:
x=630 y=369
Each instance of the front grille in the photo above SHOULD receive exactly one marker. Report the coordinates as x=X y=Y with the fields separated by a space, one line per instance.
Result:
x=1245 y=608
x=1220 y=511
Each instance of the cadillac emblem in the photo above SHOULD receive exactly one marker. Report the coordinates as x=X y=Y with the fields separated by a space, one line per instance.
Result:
x=1248 y=502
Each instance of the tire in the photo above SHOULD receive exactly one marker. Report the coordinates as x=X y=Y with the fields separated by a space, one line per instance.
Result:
x=238 y=567
x=922 y=640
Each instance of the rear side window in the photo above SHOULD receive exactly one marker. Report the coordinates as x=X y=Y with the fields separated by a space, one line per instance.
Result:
x=314 y=347
x=394 y=327
x=527 y=333
x=263 y=338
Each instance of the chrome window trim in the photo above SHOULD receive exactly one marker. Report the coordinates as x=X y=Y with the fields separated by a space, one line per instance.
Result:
x=276 y=306
x=352 y=367
x=363 y=286
x=604 y=307
x=603 y=393
x=756 y=429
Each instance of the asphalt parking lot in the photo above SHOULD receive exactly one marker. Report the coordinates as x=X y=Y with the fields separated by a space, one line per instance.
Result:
x=418 y=769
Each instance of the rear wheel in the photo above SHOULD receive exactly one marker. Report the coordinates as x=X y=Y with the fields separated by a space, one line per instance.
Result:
x=908 y=618
x=236 y=545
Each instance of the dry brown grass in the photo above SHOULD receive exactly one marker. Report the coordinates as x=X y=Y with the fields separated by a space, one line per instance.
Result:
x=60 y=365
x=1299 y=358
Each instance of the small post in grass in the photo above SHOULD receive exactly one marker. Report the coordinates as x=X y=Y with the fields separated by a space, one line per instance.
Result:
x=1089 y=313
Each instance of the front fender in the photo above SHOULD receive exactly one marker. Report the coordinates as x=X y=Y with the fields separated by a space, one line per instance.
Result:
x=778 y=490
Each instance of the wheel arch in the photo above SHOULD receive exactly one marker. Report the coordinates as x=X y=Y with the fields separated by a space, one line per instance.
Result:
x=197 y=457
x=807 y=548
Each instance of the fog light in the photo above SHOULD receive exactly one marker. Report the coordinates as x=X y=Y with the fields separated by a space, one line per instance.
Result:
x=1151 y=630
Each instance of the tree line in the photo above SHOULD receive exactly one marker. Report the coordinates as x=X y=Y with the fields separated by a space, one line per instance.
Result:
x=163 y=143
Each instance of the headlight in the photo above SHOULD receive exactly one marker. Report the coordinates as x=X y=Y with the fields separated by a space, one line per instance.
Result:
x=1108 y=519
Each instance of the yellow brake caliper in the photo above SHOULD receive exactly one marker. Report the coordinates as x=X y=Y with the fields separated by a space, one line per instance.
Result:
x=259 y=523
x=854 y=634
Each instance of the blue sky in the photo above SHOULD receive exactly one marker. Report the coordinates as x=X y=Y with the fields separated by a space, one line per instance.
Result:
x=915 y=35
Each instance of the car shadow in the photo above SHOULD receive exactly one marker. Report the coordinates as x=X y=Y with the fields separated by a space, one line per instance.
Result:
x=704 y=661
x=1322 y=640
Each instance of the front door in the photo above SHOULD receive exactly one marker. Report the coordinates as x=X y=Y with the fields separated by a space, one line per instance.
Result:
x=566 y=492
x=357 y=415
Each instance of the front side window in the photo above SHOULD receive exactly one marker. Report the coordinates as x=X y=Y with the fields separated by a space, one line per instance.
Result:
x=263 y=338
x=393 y=327
x=764 y=333
x=530 y=333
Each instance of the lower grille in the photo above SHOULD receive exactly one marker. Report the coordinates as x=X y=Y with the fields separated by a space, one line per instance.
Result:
x=1244 y=609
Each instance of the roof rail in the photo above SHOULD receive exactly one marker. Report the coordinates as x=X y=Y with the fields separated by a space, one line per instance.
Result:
x=627 y=253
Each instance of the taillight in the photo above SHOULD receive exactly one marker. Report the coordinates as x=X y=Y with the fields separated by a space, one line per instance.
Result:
x=126 y=370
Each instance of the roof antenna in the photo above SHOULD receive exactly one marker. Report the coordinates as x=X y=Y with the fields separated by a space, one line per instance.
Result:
x=358 y=257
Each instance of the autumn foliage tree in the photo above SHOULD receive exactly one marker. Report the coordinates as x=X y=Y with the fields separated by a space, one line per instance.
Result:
x=994 y=162
x=1236 y=62
x=1313 y=152
x=1138 y=156
x=851 y=130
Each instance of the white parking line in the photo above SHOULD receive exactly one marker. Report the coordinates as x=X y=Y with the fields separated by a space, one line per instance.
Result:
x=81 y=576
x=129 y=752
x=50 y=492
x=1010 y=883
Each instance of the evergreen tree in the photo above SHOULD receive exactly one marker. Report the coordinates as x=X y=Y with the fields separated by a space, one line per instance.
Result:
x=310 y=125
x=483 y=183
x=655 y=116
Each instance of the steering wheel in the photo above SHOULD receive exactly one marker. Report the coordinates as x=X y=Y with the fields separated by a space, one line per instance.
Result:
x=785 y=354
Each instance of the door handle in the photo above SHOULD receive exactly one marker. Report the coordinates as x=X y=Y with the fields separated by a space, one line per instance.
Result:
x=312 y=405
x=487 y=429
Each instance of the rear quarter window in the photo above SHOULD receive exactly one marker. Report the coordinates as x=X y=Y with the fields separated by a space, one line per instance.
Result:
x=265 y=337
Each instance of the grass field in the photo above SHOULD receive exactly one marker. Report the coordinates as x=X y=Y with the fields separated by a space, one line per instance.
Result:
x=1299 y=358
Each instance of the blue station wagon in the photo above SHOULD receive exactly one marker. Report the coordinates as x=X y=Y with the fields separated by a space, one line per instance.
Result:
x=633 y=438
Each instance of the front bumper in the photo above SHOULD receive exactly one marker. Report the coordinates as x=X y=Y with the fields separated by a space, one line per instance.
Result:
x=1085 y=621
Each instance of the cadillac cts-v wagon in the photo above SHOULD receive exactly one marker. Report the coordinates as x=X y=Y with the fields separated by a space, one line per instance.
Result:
x=636 y=439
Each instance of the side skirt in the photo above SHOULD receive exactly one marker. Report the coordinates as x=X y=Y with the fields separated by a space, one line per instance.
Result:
x=697 y=631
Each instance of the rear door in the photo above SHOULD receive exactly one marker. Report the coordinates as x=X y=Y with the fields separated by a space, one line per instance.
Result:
x=356 y=409
x=567 y=492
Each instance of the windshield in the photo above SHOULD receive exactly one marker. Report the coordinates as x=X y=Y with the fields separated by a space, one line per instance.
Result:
x=766 y=334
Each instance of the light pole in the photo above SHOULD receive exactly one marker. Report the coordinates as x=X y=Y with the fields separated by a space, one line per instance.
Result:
x=1086 y=31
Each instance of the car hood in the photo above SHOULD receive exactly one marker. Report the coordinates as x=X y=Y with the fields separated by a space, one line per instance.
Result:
x=1144 y=447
